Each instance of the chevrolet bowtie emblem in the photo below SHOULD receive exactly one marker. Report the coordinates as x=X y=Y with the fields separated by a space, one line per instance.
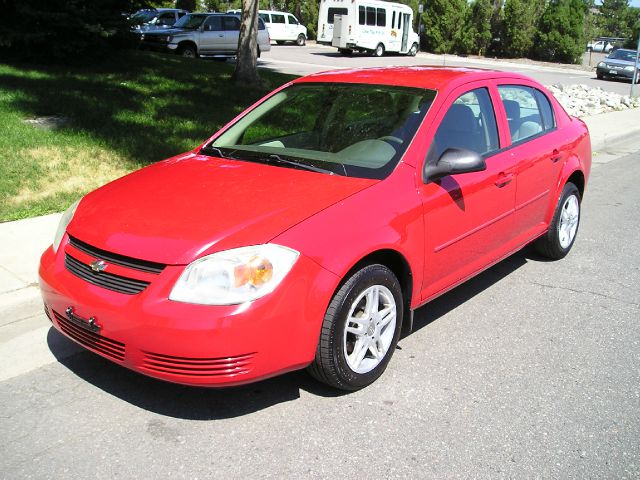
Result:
x=98 y=266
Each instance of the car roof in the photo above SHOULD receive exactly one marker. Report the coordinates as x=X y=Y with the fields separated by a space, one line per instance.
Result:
x=429 y=77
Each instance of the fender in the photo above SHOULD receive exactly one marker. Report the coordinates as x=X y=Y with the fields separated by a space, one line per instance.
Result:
x=338 y=240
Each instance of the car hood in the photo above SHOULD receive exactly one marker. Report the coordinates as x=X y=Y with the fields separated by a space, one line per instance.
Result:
x=621 y=63
x=175 y=211
x=158 y=30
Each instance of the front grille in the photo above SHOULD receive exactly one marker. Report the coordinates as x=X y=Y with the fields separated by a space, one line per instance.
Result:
x=117 y=259
x=117 y=283
x=198 y=367
x=93 y=341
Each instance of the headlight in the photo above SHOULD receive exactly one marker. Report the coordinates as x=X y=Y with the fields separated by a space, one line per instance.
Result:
x=234 y=276
x=602 y=65
x=629 y=68
x=62 y=226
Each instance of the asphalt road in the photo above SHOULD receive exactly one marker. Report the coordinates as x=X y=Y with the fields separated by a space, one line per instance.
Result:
x=532 y=369
x=315 y=58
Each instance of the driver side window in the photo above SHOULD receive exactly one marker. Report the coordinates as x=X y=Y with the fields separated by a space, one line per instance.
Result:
x=470 y=123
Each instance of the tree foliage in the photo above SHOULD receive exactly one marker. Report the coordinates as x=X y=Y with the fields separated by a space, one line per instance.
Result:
x=613 y=19
x=442 y=20
x=51 y=30
x=519 y=26
x=475 y=36
x=561 y=32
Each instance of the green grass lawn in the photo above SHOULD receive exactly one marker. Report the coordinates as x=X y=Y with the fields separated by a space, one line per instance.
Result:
x=122 y=114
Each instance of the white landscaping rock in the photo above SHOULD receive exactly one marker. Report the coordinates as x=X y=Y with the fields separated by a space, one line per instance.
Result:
x=583 y=101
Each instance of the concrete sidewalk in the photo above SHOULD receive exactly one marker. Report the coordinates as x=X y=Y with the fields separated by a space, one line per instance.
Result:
x=23 y=241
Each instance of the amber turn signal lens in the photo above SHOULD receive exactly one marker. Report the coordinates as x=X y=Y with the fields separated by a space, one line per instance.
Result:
x=256 y=272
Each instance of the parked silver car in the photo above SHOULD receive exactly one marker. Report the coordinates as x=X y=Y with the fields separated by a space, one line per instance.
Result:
x=620 y=63
x=204 y=34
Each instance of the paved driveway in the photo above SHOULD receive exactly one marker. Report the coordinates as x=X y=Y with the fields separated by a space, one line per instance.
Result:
x=315 y=58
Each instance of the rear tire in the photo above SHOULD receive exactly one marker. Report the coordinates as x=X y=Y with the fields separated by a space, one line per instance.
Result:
x=413 y=50
x=379 y=51
x=557 y=242
x=599 y=76
x=360 y=329
x=301 y=40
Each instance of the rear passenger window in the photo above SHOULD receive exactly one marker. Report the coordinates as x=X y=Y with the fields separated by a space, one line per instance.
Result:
x=371 y=16
x=230 y=23
x=277 y=18
x=524 y=114
x=548 y=118
x=470 y=123
x=332 y=12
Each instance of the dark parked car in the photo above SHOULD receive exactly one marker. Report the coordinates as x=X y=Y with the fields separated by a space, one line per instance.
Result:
x=620 y=63
x=155 y=18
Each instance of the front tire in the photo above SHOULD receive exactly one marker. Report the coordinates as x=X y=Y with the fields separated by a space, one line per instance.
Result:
x=360 y=329
x=301 y=40
x=559 y=239
x=188 y=51
x=413 y=50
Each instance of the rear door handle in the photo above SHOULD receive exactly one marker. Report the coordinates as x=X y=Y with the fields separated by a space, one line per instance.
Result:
x=504 y=179
x=556 y=156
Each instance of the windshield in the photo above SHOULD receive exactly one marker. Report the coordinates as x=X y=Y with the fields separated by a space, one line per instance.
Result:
x=144 y=17
x=628 y=55
x=347 y=129
x=190 y=21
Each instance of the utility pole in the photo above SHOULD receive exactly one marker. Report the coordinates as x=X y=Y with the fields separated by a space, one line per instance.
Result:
x=635 y=70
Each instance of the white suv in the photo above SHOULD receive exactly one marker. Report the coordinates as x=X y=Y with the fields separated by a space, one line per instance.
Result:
x=284 y=27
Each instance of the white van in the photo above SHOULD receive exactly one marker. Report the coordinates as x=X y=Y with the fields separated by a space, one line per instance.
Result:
x=283 y=27
x=367 y=26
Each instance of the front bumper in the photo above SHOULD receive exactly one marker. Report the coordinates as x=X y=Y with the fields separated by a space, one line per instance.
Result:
x=186 y=343
x=614 y=73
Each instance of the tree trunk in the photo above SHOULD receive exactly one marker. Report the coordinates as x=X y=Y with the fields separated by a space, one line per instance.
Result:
x=246 y=72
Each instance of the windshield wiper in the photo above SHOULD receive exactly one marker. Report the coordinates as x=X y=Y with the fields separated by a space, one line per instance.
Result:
x=209 y=150
x=293 y=163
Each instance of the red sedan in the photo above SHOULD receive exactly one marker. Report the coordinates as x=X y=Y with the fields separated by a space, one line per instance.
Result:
x=307 y=230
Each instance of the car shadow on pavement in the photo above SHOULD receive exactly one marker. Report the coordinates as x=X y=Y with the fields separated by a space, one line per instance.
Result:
x=461 y=294
x=180 y=401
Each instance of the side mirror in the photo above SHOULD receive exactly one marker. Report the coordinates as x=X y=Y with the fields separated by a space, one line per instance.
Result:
x=453 y=161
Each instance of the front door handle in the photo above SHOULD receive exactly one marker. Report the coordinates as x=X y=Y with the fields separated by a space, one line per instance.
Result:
x=555 y=156
x=504 y=179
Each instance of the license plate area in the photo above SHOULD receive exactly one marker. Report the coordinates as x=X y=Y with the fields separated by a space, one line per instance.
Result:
x=612 y=72
x=89 y=324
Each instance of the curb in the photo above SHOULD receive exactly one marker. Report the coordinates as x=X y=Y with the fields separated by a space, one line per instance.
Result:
x=615 y=139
